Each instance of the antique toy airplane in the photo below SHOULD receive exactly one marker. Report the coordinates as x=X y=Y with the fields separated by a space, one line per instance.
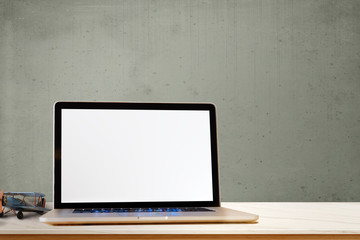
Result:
x=22 y=202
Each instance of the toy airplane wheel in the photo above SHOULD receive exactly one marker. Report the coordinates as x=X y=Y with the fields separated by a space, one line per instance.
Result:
x=20 y=215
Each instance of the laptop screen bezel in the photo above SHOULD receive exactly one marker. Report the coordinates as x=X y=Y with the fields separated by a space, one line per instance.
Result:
x=59 y=106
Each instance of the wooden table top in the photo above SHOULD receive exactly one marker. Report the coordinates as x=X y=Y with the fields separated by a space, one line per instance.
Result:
x=275 y=218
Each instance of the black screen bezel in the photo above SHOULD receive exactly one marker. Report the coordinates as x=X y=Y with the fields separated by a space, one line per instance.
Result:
x=138 y=106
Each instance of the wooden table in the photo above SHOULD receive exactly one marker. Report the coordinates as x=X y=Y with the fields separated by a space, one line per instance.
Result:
x=277 y=221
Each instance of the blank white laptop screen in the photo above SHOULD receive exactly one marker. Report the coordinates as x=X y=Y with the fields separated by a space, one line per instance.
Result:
x=135 y=156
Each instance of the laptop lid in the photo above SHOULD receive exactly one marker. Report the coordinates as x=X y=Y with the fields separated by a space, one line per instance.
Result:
x=110 y=155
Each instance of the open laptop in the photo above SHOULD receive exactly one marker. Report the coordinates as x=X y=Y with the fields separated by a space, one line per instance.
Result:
x=137 y=163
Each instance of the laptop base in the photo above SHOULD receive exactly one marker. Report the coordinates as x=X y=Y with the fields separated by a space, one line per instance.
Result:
x=220 y=215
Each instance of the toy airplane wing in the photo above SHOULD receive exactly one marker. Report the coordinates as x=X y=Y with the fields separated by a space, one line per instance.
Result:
x=25 y=194
x=33 y=208
x=1 y=201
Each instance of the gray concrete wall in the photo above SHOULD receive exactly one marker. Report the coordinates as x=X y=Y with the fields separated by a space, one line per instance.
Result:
x=285 y=76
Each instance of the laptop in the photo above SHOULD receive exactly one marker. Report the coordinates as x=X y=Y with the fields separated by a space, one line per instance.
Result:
x=137 y=163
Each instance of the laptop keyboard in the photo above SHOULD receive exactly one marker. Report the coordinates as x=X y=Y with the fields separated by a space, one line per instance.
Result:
x=122 y=210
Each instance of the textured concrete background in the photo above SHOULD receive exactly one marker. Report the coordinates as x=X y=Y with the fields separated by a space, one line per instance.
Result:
x=285 y=76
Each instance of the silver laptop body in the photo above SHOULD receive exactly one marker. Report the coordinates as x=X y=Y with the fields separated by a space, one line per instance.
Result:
x=137 y=163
